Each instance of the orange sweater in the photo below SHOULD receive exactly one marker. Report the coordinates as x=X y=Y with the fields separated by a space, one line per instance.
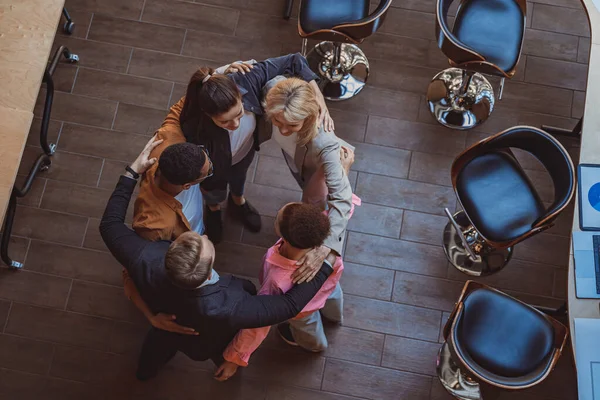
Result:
x=156 y=214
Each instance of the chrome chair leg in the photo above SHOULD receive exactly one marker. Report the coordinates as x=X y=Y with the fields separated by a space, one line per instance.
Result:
x=344 y=69
x=458 y=384
x=304 y=46
x=468 y=252
x=289 y=5
x=501 y=89
x=460 y=99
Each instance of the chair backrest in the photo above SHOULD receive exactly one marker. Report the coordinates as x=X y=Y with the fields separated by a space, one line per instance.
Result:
x=545 y=148
x=456 y=51
x=353 y=31
x=459 y=54
x=561 y=335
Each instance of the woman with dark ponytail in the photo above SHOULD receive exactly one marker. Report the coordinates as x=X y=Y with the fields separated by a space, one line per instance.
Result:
x=222 y=111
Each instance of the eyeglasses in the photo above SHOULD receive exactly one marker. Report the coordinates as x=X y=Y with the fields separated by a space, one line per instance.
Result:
x=211 y=169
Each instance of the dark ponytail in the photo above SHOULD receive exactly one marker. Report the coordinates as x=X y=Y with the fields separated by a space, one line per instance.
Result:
x=213 y=96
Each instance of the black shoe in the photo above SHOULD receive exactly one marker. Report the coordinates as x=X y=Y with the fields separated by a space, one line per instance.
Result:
x=247 y=214
x=214 y=225
x=286 y=333
x=144 y=375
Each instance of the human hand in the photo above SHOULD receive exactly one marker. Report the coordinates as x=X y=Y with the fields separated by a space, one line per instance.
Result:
x=324 y=118
x=142 y=162
x=241 y=67
x=226 y=371
x=166 y=322
x=310 y=264
x=347 y=158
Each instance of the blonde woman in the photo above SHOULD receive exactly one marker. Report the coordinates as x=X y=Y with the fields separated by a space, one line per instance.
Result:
x=318 y=160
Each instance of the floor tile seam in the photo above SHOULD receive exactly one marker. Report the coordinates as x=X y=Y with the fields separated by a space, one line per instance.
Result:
x=142 y=11
x=100 y=174
x=34 y=272
x=165 y=25
x=446 y=278
x=112 y=124
x=404 y=179
x=381 y=367
x=74 y=79
x=546 y=30
x=412 y=306
x=87 y=33
x=441 y=214
x=68 y=296
x=50 y=178
x=79 y=313
x=69 y=345
x=276 y=187
x=404 y=148
x=51 y=361
x=62 y=244
x=7 y=317
x=291 y=385
x=87 y=226
x=555 y=5
x=108 y=130
x=125 y=74
x=133 y=48
x=43 y=193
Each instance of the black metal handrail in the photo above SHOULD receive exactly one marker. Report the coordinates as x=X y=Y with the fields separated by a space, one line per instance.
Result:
x=43 y=161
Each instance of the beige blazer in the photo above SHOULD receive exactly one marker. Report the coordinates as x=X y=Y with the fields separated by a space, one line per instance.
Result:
x=319 y=172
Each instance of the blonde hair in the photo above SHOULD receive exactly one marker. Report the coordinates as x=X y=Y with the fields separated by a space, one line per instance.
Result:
x=187 y=267
x=296 y=100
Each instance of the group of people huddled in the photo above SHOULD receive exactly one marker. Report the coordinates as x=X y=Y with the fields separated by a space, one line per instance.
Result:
x=203 y=149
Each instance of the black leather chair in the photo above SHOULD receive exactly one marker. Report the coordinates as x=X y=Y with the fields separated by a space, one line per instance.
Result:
x=487 y=37
x=498 y=340
x=339 y=25
x=500 y=205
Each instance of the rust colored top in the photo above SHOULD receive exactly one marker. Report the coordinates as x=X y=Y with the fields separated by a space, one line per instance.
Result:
x=157 y=215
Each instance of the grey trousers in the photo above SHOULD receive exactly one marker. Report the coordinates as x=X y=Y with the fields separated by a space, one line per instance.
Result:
x=308 y=331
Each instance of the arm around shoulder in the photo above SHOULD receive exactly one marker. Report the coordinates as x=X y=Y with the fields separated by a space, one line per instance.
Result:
x=258 y=311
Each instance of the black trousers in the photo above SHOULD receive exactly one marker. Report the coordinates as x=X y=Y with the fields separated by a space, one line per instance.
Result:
x=161 y=346
x=237 y=181
x=158 y=349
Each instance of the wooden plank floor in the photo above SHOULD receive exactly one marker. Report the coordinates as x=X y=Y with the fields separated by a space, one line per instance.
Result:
x=67 y=331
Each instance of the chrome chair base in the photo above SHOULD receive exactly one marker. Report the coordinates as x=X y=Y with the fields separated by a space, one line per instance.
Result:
x=488 y=261
x=460 y=99
x=343 y=67
x=453 y=379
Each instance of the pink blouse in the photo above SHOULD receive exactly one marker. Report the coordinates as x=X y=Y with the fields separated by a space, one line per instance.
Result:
x=276 y=278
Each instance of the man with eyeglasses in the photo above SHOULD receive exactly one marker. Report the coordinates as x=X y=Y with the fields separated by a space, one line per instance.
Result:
x=170 y=200
x=169 y=204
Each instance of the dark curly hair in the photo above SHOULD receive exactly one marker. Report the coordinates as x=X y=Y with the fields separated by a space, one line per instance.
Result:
x=303 y=226
x=182 y=163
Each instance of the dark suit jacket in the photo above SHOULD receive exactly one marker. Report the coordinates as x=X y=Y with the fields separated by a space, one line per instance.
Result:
x=216 y=311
